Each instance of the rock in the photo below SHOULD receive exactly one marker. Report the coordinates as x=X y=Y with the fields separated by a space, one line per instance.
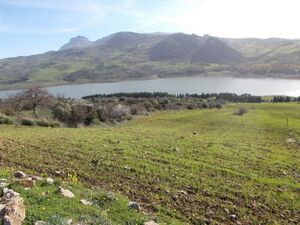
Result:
x=3 y=185
x=134 y=205
x=150 y=223
x=4 y=190
x=36 y=178
x=14 y=212
x=176 y=149
x=69 y=221
x=20 y=175
x=29 y=183
x=58 y=173
x=182 y=192
x=291 y=140
x=233 y=217
x=8 y=195
x=65 y=192
x=2 y=206
x=49 y=180
x=39 y=223
x=86 y=202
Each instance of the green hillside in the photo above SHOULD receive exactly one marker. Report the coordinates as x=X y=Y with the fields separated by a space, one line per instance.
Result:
x=134 y=56
x=196 y=167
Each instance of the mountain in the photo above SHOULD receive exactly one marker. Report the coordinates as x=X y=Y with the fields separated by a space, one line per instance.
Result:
x=77 y=42
x=132 y=56
x=193 y=48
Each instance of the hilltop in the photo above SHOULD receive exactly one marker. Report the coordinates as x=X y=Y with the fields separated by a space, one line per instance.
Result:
x=134 y=56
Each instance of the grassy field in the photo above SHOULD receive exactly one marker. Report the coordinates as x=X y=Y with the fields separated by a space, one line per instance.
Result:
x=195 y=167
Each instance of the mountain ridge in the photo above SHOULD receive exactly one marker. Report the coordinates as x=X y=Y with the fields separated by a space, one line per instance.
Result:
x=130 y=56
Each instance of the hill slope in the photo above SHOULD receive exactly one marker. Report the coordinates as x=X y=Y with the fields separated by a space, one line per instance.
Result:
x=131 y=56
x=199 y=166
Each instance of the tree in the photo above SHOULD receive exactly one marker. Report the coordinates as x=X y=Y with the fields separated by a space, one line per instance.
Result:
x=14 y=102
x=36 y=96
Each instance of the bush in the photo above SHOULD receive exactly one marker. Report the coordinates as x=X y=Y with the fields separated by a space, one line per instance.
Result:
x=120 y=113
x=62 y=112
x=240 y=111
x=27 y=122
x=8 y=112
x=219 y=105
x=54 y=125
x=5 y=120
x=102 y=113
x=42 y=123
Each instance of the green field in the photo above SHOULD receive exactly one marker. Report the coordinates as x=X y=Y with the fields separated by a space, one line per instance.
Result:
x=195 y=167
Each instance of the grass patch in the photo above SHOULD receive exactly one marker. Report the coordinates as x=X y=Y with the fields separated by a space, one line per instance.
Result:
x=223 y=164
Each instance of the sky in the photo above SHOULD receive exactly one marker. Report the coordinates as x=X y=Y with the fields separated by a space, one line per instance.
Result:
x=35 y=26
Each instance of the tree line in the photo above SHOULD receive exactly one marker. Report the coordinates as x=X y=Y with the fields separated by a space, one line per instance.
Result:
x=277 y=99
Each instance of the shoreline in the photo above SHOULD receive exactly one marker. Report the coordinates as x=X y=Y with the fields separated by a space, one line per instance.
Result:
x=215 y=75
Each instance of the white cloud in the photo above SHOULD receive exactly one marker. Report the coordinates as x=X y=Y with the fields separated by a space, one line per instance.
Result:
x=227 y=18
x=230 y=18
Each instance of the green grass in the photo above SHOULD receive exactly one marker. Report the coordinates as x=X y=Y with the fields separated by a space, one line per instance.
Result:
x=193 y=166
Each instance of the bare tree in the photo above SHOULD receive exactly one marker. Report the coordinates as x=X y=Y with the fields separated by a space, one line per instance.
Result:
x=36 y=96
x=15 y=101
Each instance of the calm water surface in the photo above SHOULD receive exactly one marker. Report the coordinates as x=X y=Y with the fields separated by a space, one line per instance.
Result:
x=182 y=85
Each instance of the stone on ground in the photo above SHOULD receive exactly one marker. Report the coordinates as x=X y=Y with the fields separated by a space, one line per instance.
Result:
x=49 y=180
x=20 y=175
x=14 y=211
x=86 y=202
x=150 y=223
x=134 y=205
x=65 y=192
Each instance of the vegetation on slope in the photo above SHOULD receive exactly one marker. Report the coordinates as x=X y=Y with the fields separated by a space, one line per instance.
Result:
x=133 y=56
x=200 y=166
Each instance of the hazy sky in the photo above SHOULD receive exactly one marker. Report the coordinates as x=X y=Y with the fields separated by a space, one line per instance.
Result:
x=35 y=26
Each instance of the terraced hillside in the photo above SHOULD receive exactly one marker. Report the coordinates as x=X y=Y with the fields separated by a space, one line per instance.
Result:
x=196 y=167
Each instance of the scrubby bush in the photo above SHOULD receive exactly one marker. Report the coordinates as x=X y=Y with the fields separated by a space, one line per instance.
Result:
x=120 y=113
x=27 y=122
x=54 y=125
x=5 y=120
x=8 y=111
x=102 y=113
x=240 y=111
x=62 y=112
x=42 y=123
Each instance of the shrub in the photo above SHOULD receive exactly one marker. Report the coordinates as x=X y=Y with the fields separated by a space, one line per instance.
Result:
x=219 y=105
x=102 y=113
x=5 y=120
x=62 y=112
x=190 y=106
x=120 y=113
x=54 y=125
x=240 y=111
x=27 y=122
x=42 y=123
x=8 y=112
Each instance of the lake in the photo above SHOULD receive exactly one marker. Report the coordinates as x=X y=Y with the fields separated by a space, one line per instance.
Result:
x=182 y=85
